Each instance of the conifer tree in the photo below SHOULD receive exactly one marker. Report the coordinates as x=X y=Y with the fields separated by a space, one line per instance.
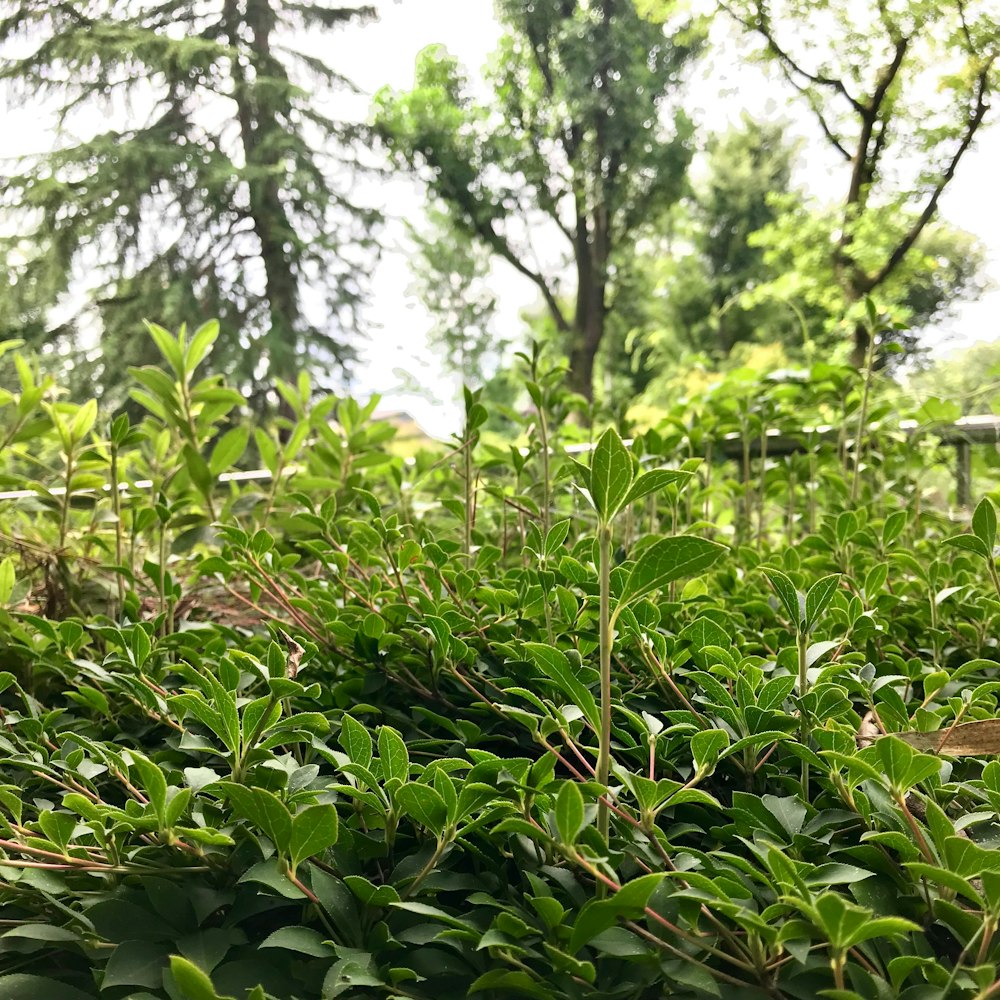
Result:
x=192 y=176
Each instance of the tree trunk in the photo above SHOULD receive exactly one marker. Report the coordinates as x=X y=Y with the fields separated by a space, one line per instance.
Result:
x=588 y=332
x=258 y=120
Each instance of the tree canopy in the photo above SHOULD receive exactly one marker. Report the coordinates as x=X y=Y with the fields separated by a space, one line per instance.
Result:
x=208 y=181
x=900 y=91
x=582 y=134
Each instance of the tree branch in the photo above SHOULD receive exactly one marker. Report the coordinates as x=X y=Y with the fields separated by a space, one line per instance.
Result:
x=906 y=243
x=817 y=111
x=759 y=25
x=865 y=159
x=500 y=245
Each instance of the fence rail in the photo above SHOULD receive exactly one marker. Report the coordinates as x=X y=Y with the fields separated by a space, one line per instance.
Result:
x=961 y=435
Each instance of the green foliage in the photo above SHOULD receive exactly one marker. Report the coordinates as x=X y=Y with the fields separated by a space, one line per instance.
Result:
x=899 y=93
x=574 y=131
x=426 y=729
x=169 y=208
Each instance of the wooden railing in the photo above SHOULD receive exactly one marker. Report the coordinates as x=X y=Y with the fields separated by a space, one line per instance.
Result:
x=961 y=435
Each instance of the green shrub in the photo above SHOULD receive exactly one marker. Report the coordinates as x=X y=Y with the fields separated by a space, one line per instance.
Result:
x=491 y=722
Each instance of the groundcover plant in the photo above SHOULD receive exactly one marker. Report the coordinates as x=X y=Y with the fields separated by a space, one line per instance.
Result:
x=629 y=722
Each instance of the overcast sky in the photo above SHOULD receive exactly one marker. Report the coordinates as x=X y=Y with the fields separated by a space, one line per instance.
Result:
x=384 y=54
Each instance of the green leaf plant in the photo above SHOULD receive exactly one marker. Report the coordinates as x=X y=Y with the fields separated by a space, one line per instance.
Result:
x=612 y=483
x=804 y=611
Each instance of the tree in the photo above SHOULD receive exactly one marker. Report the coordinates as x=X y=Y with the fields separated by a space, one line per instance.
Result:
x=746 y=261
x=700 y=278
x=899 y=89
x=203 y=189
x=943 y=266
x=578 y=138
x=451 y=273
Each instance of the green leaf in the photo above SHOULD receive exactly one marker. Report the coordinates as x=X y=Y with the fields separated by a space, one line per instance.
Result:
x=7 y=580
x=655 y=480
x=265 y=810
x=193 y=983
x=819 y=597
x=901 y=765
x=169 y=347
x=893 y=527
x=393 y=755
x=792 y=600
x=314 y=829
x=303 y=940
x=229 y=450
x=356 y=741
x=569 y=812
x=556 y=537
x=705 y=749
x=971 y=543
x=153 y=783
x=610 y=475
x=136 y=963
x=984 y=523
x=554 y=664
x=21 y=986
x=629 y=902
x=201 y=343
x=58 y=827
x=667 y=560
x=425 y=805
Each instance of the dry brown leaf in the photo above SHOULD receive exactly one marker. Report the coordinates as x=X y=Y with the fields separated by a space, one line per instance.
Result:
x=971 y=739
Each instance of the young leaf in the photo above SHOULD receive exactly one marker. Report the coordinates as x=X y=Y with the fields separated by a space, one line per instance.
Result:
x=569 y=812
x=667 y=560
x=819 y=597
x=984 y=523
x=791 y=599
x=610 y=475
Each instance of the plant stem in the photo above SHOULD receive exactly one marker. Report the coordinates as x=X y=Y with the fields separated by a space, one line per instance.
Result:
x=604 y=736
x=862 y=416
x=802 y=644
x=426 y=870
x=116 y=507
x=543 y=435
x=469 y=512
